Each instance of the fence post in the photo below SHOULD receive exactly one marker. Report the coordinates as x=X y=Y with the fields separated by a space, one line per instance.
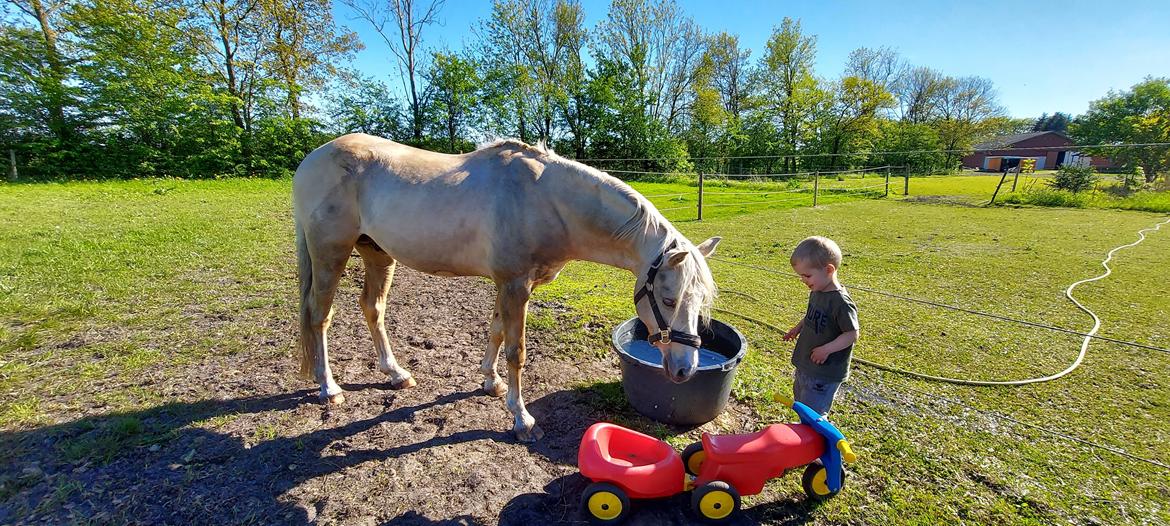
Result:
x=816 y=186
x=12 y=161
x=1001 y=180
x=887 y=182
x=1017 y=179
x=700 y=196
x=906 y=186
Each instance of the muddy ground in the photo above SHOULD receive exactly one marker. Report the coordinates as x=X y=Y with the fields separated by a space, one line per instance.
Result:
x=241 y=440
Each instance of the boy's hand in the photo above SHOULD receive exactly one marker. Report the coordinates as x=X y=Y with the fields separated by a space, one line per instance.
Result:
x=793 y=333
x=819 y=355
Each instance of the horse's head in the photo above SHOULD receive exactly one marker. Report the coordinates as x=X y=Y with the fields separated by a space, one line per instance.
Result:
x=674 y=293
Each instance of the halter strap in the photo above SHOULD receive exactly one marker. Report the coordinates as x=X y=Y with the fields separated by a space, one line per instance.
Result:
x=664 y=334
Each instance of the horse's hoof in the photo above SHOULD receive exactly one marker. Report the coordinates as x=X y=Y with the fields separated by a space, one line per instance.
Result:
x=336 y=399
x=529 y=436
x=496 y=389
x=405 y=384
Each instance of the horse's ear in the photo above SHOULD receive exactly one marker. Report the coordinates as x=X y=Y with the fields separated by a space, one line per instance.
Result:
x=707 y=248
x=676 y=256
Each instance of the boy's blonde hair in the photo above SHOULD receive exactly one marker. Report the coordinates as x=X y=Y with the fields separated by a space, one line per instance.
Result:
x=817 y=250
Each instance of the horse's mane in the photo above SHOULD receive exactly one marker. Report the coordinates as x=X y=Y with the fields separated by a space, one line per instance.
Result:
x=695 y=275
x=540 y=149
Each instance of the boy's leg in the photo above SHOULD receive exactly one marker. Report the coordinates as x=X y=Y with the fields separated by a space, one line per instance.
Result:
x=817 y=394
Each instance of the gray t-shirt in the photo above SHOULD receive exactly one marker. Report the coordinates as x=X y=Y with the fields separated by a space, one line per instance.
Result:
x=829 y=315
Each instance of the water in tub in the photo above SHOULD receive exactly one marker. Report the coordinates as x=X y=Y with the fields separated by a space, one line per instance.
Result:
x=645 y=351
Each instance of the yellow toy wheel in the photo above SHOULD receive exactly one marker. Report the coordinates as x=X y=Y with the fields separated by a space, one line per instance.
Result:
x=715 y=501
x=815 y=482
x=693 y=457
x=605 y=503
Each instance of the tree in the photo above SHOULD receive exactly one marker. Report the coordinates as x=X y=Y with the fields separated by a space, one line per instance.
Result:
x=881 y=66
x=848 y=120
x=362 y=104
x=1138 y=116
x=918 y=94
x=407 y=19
x=1057 y=122
x=305 y=46
x=139 y=81
x=966 y=106
x=661 y=47
x=455 y=85
x=510 y=87
x=787 y=84
x=37 y=67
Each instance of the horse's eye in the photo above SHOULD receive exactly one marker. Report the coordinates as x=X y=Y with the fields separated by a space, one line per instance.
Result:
x=668 y=302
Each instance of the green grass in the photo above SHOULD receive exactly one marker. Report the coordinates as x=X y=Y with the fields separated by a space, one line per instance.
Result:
x=100 y=281
x=1033 y=189
x=926 y=460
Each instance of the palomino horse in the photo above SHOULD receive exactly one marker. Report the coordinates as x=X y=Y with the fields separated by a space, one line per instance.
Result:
x=510 y=212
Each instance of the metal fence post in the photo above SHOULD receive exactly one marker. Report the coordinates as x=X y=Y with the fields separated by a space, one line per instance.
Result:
x=906 y=187
x=887 y=182
x=700 y=196
x=816 y=186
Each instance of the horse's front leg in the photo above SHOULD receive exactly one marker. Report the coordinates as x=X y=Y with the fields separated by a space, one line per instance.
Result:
x=492 y=383
x=512 y=304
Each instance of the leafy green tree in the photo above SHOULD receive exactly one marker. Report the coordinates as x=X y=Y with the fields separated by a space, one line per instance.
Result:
x=363 y=104
x=455 y=85
x=38 y=66
x=1138 y=116
x=305 y=47
x=848 y=119
x=1057 y=122
x=965 y=109
x=788 y=89
x=909 y=144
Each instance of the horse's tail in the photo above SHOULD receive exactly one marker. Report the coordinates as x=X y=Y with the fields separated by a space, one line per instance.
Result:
x=305 y=280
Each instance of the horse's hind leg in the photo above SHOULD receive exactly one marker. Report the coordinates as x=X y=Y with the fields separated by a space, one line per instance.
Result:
x=328 y=264
x=379 y=275
x=512 y=304
x=492 y=383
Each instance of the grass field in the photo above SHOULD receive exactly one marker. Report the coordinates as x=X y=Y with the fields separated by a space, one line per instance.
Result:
x=98 y=279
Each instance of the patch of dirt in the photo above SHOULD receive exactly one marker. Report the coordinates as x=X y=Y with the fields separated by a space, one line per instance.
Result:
x=241 y=440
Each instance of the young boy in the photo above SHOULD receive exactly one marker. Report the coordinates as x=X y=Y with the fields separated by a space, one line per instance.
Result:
x=828 y=330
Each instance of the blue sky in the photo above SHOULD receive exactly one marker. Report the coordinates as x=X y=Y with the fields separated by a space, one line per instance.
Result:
x=1044 y=56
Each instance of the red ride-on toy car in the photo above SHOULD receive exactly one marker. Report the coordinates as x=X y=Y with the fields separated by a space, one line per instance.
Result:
x=625 y=464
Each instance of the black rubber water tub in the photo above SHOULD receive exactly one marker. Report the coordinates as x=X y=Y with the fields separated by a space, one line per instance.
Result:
x=696 y=401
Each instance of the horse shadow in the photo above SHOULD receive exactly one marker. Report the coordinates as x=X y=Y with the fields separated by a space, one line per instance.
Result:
x=159 y=466
x=134 y=461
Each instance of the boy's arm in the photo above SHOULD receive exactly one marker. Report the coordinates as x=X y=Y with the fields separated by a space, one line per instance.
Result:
x=794 y=331
x=820 y=354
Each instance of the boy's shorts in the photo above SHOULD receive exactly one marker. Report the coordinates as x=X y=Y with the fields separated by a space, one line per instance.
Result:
x=814 y=392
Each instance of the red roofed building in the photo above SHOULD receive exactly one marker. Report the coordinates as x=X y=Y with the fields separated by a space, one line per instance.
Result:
x=1050 y=149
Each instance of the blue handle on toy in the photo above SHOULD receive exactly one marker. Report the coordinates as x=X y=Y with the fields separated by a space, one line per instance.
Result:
x=834 y=439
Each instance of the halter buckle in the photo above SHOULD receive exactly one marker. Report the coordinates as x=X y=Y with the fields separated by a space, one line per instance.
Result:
x=664 y=336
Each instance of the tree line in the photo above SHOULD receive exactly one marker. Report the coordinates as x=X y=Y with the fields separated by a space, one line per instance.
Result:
x=213 y=88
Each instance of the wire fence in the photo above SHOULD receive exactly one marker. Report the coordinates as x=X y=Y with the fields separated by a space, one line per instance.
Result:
x=718 y=190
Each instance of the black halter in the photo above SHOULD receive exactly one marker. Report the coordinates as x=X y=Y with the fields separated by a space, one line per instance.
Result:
x=664 y=334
